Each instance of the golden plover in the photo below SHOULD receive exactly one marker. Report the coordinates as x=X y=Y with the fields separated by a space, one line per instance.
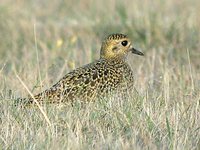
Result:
x=97 y=79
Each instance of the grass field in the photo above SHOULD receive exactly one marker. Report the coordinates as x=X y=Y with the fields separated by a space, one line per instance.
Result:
x=40 y=41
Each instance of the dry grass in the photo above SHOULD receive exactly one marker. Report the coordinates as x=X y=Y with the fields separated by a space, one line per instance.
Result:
x=43 y=40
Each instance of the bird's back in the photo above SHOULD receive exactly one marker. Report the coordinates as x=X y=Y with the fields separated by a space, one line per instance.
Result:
x=95 y=80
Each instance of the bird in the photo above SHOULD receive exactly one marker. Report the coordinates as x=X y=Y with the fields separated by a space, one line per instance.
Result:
x=99 y=79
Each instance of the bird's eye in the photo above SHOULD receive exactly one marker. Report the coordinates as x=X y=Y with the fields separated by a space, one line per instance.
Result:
x=124 y=43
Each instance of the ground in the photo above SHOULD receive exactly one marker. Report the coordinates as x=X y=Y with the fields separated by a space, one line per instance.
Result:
x=40 y=41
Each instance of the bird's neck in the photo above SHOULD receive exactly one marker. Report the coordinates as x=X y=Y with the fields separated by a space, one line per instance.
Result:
x=115 y=60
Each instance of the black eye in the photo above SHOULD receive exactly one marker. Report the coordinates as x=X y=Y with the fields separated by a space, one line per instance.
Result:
x=124 y=43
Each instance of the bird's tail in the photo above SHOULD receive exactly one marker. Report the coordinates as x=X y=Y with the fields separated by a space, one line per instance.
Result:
x=47 y=96
x=23 y=101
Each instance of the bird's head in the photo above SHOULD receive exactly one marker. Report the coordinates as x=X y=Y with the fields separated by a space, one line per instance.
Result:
x=117 y=46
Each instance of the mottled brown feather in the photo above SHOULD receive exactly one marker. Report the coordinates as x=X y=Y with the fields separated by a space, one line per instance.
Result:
x=99 y=79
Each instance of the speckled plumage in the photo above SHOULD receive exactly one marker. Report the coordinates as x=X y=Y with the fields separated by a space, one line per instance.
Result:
x=98 y=79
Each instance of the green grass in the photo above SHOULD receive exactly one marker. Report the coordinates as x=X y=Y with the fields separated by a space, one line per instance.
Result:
x=41 y=41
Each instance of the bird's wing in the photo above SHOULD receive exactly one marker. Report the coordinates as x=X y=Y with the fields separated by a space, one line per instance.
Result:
x=81 y=83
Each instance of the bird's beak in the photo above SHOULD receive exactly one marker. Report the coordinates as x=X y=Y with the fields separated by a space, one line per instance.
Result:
x=135 y=51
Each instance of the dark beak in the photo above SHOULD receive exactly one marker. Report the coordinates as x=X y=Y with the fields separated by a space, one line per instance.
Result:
x=135 y=51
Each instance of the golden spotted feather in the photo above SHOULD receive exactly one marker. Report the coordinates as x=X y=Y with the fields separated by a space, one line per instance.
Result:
x=96 y=80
